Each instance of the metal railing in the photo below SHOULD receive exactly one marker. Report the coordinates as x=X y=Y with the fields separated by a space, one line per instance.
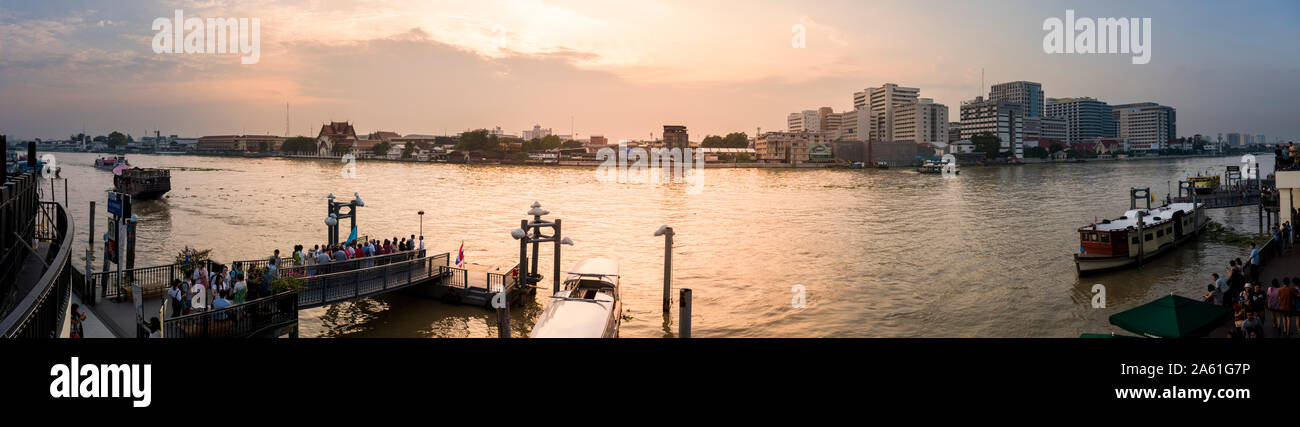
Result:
x=336 y=287
x=245 y=320
x=19 y=197
x=41 y=312
x=455 y=277
x=286 y=264
x=152 y=280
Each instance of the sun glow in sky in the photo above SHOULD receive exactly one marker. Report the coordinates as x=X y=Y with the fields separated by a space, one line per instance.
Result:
x=616 y=68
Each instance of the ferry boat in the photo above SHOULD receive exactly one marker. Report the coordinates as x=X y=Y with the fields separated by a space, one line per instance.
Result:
x=1117 y=243
x=936 y=167
x=882 y=165
x=588 y=306
x=143 y=184
x=110 y=163
x=1204 y=184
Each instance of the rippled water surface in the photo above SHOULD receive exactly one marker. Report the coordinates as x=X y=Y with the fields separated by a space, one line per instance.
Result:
x=881 y=253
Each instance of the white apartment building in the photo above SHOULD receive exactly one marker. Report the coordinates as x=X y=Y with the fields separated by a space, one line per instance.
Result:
x=1146 y=125
x=1044 y=127
x=806 y=120
x=536 y=133
x=921 y=121
x=855 y=125
x=884 y=101
x=1001 y=118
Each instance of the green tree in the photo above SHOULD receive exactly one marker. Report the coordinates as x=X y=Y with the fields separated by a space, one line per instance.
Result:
x=571 y=144
x=550 y=142
x=736 y=140
x=381 y=149
x=408 y=150
x=116 y=139
x=341 y=149
x=299 y=144
x=987 y=143
x=479 y=140
x=1036 y=152
x=711 y=141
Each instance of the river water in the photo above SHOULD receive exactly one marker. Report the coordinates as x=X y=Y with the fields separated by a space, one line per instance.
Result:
x=876 y=253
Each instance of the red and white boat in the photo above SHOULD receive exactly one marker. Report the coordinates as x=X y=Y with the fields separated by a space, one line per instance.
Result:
x=111 y=163
x=1123 y=242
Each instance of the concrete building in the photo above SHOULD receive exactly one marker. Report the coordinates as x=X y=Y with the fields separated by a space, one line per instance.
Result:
x=921 y=121
x=1000 y=118
x=1028 y=94
x=884 y=102
x=675 y=136
x=1047 y=128
x=1087 y=117
x=536 y=133
x=856 y=125
x=334 y=134
x=1147 y=125
x=954 y=132
x=1235 y=140
x=806 y=120
x=793 y=148
x=239 y=143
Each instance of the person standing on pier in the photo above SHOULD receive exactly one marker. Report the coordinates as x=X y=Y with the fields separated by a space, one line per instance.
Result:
x=421 y=243
x=1254 y=263
x=273 y=263
x=1223 y=287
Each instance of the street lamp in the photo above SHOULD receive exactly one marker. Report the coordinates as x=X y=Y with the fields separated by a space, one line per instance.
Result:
x=667 y=232
x=421 y=213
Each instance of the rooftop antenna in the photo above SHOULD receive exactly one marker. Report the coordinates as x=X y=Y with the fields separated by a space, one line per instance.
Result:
x=286 y=119
x=981 y=81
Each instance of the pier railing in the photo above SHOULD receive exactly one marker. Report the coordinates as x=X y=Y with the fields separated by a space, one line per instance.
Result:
x=455 y=277
x=250 y=319
x=41 y=311
x=19 y=198
x=336 y=287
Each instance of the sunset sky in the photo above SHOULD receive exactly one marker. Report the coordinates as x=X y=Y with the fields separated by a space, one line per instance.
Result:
x=620 y=69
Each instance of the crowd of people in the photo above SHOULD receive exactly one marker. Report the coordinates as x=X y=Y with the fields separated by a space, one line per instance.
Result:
x=1286 y=156
x=1241 y=290
x=223 y=286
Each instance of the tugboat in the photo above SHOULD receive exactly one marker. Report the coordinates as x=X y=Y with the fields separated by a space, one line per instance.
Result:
x=110 y=163
x=1138 y=235
x=141 y=183
x=588 y=306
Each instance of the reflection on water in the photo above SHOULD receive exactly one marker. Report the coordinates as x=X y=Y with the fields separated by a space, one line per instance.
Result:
x=885 y=253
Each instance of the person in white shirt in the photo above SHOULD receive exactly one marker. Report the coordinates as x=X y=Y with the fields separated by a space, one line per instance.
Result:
x=421 y=242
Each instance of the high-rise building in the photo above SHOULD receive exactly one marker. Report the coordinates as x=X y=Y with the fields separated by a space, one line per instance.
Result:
x=536 y=133
x=954 y=132
x=921 y=121
x=806 y=120
x=1235 y=140
x=884 y=101
x=1047 y=128
x=1088 y=118
x=855 y=125
x=1028 y=94
x=675 y=136
x=999 y=118
x=1146 y=125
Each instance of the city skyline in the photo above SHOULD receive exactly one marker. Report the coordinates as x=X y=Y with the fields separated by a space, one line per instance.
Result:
x=622 y=71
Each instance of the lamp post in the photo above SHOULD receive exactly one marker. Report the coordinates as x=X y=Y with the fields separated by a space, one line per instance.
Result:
x=421 y=213
x=335 y=213
x=667 y=232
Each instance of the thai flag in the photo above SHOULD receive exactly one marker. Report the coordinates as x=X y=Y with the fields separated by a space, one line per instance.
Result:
x=460 y=255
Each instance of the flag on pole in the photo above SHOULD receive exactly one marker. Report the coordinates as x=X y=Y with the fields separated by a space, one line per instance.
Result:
x=460 y=255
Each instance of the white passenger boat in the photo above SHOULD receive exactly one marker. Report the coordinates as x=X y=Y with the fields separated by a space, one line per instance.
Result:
x=1122 y=242
x=588 y=306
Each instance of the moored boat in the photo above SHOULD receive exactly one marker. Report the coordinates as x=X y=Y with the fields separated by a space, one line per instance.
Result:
x=143 y=184
x=1138 y=236
x=882 y=165
x=937 y=167
x=1204 y=184
x=588 y=306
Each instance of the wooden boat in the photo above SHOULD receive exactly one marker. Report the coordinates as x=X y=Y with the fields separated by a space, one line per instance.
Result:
x=110 y=163
x=1120 y=242
x=882 y=165
x=588 y=306
x=143 y=184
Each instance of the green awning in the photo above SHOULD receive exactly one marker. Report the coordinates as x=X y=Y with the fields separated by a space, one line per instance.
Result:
x=1172 y=317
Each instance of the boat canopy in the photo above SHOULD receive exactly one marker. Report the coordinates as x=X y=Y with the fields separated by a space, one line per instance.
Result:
x=1153 y=217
